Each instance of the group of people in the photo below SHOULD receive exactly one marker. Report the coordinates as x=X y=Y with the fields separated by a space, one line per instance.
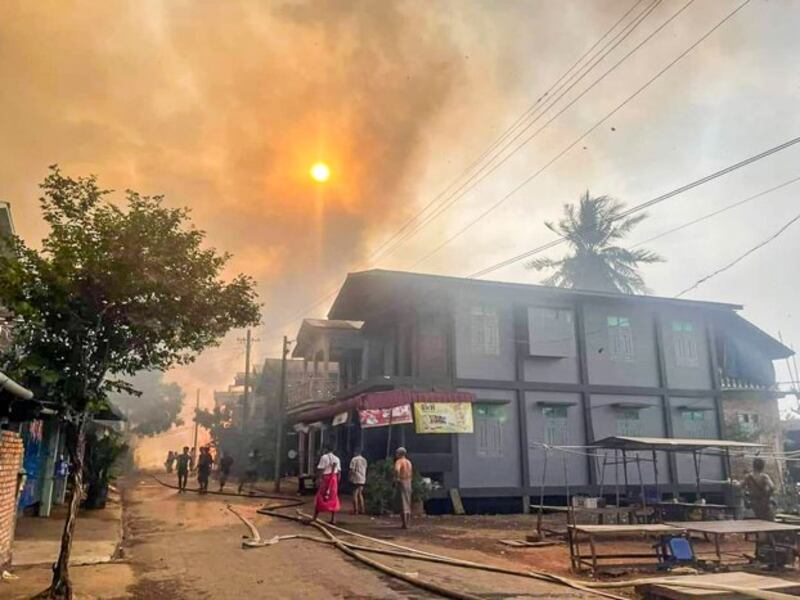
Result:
x=329 y=472
x=184 y=462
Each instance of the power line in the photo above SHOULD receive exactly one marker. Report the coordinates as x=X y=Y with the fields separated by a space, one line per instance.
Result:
x=716 y=212
x=584 y=135
x=741 y=257
x=479 y=176
x=532 y=110
x=643 y=205
x=528 y=113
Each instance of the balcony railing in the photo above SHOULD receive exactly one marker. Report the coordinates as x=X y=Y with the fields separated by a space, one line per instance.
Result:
x=735 y=383
x=312 y=389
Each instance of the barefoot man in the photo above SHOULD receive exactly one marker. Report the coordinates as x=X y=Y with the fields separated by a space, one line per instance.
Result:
x=403 y=471
x=358 y=478
x=329 y=470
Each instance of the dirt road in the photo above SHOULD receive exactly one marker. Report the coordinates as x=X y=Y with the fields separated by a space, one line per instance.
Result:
x=189 y=546
x=181 y=547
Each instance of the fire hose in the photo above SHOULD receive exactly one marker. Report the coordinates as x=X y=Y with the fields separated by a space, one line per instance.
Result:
x=356 y=551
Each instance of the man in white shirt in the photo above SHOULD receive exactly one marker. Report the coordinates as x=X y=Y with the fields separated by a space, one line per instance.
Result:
x=358 y=478
x=329 y=470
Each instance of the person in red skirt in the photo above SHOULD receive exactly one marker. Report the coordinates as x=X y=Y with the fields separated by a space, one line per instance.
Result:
x=329 y=471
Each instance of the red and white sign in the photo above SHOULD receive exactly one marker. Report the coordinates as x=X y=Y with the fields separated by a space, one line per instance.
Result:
x=381 y=417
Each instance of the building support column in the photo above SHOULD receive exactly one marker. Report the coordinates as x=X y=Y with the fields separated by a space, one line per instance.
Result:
x=586 y=398
x=666 y=403
x=522 y=406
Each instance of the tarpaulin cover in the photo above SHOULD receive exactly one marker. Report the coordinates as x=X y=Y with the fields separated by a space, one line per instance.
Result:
x=386 y=399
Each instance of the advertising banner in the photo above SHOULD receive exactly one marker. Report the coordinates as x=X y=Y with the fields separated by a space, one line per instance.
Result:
x=443 y=417
x=381 y=417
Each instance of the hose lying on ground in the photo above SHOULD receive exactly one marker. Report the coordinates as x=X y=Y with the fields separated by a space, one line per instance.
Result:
x=595 y=588
x=354 y=550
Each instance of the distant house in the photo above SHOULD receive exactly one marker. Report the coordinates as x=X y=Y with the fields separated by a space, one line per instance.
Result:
x=542 y=367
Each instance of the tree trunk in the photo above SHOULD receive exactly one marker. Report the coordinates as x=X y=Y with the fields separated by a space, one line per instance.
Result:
x=61 y=587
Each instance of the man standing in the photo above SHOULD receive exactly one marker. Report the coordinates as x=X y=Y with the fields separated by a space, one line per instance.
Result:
x=357 y=473
x=329 y=470
x=204 y=463
x=251 y=474
x=760 y=488
x=225 y=466
x=403 y=472
x=183 y=469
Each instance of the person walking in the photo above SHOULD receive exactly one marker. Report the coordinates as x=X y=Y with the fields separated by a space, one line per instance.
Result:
x=357 y=474
x=225 y=466
x=204 y=463
x=759 y=488
x=183 y=469
x=251 y=474
x=329 y=470
x=168 y=464
x=403 y=473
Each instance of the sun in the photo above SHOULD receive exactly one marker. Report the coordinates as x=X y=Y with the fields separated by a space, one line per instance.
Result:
x=320 y=172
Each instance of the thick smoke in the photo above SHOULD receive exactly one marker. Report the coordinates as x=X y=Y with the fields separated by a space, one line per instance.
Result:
x=223 y=106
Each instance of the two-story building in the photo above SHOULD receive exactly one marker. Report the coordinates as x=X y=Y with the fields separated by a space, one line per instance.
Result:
x=547 y=372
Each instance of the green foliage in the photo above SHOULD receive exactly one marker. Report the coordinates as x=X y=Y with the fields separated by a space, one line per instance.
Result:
x=113 y=291
x=215 y=421
x=156 y=408
x=380 y=494
x=596 y=262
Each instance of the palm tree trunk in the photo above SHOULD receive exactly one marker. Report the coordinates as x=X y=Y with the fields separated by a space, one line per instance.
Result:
x=61 y=587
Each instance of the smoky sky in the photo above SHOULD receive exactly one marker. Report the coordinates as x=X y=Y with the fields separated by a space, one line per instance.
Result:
x=223 y=107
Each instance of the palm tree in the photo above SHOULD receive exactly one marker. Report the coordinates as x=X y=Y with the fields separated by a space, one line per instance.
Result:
x=592 y=229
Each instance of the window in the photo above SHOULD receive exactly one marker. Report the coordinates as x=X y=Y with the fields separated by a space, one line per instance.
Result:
x=628 y=422
x=489 y=421
x=555 y=425
x=484 y=331
x=551 y=332
x=748 y=421
x=685 y=342
x=695 y=423
x=620 y=338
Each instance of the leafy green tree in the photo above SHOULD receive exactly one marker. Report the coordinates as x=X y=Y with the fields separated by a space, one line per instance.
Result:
x=156 y=405
x=215 y=421
x=113 y=290
x=593 y=230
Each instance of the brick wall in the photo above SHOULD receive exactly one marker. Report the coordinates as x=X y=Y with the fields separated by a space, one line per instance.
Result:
x=11 y=452
x=766 y=431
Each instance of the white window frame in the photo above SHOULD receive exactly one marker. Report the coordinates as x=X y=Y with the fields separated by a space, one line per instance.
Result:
x=620 y=338
x=484 y=330
x=684 y=342
x=489 y=430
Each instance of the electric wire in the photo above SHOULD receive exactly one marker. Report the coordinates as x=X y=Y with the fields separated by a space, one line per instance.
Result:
x=741 y=257
x=471 y=182
x=531 y=177
x=644 y=205
x=716 y=212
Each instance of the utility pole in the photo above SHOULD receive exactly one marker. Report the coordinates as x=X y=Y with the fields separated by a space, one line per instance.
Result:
x=246 y=395
x=281 y=404
x=194 y=446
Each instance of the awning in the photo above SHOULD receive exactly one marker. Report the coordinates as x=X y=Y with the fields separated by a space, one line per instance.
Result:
x=619 y=442
x=386 y=399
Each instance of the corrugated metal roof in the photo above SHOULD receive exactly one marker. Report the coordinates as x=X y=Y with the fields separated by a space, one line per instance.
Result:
x=651 y=443
x=347 y=295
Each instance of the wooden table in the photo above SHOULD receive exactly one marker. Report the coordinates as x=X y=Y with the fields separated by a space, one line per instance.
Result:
x=736 y=579
x=717 y=529
x=571 y=512
x=588 y=534
x=685 y=508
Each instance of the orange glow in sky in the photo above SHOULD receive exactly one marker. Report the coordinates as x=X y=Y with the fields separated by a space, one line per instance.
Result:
x=320 y=172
